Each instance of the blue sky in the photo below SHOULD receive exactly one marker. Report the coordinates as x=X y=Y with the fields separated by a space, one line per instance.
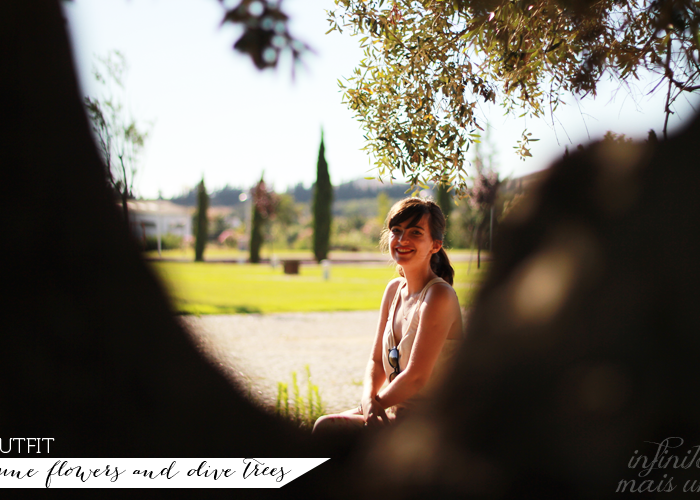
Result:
x=212 y=114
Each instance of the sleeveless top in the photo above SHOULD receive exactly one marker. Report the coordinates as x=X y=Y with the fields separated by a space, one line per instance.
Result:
x=443 y=362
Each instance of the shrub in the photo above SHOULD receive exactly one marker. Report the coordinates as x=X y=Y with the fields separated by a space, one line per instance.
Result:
x=168 y=241
x=304 y=239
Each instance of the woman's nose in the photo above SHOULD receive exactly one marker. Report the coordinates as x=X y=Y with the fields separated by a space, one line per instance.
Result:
x=402 y=236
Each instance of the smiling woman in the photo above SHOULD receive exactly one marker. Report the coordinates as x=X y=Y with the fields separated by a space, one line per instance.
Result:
x=420 y=323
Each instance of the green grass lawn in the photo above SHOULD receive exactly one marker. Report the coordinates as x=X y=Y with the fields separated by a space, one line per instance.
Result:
x=218 y=288
x=216 y=252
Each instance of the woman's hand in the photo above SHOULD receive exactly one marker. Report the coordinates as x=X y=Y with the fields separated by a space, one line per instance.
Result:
x=373 y=413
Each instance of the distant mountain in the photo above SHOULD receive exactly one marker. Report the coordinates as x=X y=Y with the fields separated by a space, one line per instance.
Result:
x=368 y=188
x=226 y=196
x=353 y=190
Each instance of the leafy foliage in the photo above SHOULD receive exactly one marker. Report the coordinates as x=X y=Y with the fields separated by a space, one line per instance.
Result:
x=168 y=241
x=120 y=139
x=265 y=35
x=482 y=194
x=430 y=64
x=286 y=219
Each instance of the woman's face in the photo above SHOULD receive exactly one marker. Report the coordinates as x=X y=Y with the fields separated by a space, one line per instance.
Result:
x=411 y=243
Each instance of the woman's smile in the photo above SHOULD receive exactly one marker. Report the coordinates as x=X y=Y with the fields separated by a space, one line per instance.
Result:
x=402 y=252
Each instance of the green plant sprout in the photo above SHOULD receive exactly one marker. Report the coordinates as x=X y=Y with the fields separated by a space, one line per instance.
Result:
x=303 y=413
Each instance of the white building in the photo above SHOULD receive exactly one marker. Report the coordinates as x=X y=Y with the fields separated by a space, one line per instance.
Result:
x=159 y=217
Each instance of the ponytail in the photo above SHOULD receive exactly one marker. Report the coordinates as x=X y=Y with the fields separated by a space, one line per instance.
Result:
x=440 y=264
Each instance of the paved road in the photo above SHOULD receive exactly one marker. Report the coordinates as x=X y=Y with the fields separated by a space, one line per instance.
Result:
x=258 y=351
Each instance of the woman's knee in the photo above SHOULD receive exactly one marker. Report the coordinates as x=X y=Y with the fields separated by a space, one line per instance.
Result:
x=319 y=424
x=334 y=423
x=324 y=424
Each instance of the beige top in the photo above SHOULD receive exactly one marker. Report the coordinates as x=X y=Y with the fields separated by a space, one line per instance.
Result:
x=405 y=345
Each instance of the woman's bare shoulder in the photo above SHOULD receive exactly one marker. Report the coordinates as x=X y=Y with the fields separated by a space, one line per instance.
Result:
x=441 y=296
x=393 y=285
x=390 y=291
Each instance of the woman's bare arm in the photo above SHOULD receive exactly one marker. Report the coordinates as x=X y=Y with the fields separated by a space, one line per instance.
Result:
x=439 y=313
x=374 y=373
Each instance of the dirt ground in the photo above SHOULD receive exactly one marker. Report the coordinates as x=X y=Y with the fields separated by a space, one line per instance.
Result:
x=258 y=351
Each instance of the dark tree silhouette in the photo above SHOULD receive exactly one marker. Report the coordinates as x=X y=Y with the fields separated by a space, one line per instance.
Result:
x=323 y=199
x=202 y=226
x=580 y=350
x=92 y=353
x=256 y=235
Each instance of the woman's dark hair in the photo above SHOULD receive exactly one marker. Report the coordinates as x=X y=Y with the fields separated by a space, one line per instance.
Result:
x=414 y=209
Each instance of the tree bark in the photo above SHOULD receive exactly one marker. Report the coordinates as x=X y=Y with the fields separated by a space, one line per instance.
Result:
x=93 y=355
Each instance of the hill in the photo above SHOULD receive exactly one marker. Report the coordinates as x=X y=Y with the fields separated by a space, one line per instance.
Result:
x=353 y=190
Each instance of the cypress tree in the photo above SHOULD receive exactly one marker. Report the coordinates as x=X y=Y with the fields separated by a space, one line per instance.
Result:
x=201 y=222
x=265 y=204
x=256 y=230
x=323 y=197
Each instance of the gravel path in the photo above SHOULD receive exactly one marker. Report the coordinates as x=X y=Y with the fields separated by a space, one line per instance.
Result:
x=258 y=351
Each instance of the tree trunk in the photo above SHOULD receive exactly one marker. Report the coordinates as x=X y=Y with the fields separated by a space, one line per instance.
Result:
x=202 y=223
x=125 y=209
x=256 y=235
x=96 y=359
x=478 y=246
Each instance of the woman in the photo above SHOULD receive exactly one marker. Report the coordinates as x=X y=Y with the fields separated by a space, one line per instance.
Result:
x=420 y=322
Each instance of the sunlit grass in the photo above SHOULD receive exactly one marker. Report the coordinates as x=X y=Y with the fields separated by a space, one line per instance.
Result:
x=216 y=252
x=224 y=288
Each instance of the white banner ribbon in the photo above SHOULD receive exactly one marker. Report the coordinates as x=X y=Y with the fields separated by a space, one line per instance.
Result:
x=153 y=472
